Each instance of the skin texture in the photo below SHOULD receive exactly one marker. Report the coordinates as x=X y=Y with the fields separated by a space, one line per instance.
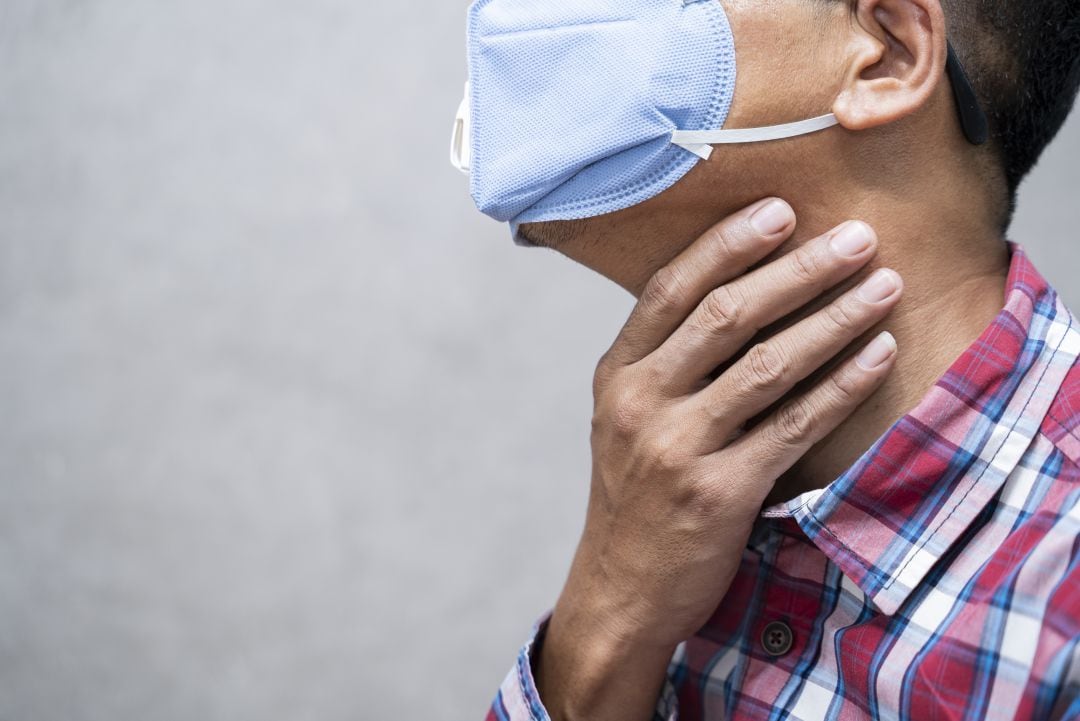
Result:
x=733 y=383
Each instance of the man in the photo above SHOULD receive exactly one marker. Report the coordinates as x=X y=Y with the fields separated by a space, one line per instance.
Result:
x=836 y=468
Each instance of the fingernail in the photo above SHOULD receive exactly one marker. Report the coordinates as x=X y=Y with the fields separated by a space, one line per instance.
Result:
x=879 y=286
x=877 y=352
x=772 y=217
x=853 y=238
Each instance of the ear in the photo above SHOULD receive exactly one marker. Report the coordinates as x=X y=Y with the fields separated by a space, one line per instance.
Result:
x=895 y=60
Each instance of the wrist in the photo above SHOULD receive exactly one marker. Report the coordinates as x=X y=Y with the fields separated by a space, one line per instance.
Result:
x=614 y=595
x=587 y=666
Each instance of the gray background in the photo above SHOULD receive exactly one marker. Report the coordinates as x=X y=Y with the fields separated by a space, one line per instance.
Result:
x=288 y=429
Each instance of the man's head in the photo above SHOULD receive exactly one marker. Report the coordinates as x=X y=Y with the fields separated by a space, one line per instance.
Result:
x=879 y=66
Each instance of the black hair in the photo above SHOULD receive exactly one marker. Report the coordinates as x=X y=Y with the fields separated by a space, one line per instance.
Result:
x=1023 y=59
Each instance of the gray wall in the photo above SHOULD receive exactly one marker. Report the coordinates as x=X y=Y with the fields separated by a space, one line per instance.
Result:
x=288 y=429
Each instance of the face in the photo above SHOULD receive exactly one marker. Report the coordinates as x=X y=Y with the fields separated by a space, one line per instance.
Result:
x=787 y=69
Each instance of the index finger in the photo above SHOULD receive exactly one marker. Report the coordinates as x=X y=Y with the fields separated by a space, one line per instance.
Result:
x=725 y=251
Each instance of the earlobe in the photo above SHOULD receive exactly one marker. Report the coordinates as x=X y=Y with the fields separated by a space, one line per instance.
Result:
x=896 y=58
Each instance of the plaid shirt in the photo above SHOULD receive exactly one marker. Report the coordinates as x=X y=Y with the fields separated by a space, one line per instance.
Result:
x=937 y=578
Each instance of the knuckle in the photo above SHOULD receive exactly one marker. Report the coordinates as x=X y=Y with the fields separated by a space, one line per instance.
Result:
x=794 y=421
x=721 y=309
x=766 y=366
x=845 y=387
x=662 y=288
x=842 y=316
x=652 y=376
x=712 y=409
x=721 y=242
x=656 y=450
x=806 y=265
x=624 y=410
x=665 y=457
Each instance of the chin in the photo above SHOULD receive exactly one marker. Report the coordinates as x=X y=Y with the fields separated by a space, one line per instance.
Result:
x=551 y=233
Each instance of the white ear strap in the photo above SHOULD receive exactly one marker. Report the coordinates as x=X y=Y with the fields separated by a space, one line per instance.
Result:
x=698 y=142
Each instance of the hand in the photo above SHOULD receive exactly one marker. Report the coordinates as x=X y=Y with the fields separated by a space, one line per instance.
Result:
x=677 y=481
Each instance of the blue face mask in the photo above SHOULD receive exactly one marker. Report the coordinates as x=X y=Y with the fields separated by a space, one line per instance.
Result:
x=576 y=108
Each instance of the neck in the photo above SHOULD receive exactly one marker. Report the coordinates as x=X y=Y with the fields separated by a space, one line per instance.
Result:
x=954 y=264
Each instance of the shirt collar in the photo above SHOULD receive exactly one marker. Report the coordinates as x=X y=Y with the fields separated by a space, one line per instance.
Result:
x=900 y=507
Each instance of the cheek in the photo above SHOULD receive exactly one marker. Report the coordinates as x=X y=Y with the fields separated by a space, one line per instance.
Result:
x=779 y=54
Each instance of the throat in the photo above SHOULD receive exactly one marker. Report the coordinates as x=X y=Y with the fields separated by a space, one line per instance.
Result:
x=941 y=314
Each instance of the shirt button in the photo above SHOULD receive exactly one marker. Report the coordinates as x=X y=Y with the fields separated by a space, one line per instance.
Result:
x=777 y=638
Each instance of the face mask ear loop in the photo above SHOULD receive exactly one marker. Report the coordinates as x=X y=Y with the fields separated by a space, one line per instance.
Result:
x=972 y=118
x=699 y=142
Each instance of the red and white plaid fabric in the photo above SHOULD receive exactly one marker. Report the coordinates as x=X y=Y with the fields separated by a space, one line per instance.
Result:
x=937 y=578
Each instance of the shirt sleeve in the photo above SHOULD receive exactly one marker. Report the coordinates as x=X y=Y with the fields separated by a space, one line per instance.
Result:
x=518 y=700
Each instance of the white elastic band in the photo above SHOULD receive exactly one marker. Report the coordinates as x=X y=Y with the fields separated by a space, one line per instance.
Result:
x=699 y=142
x=460 y=141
